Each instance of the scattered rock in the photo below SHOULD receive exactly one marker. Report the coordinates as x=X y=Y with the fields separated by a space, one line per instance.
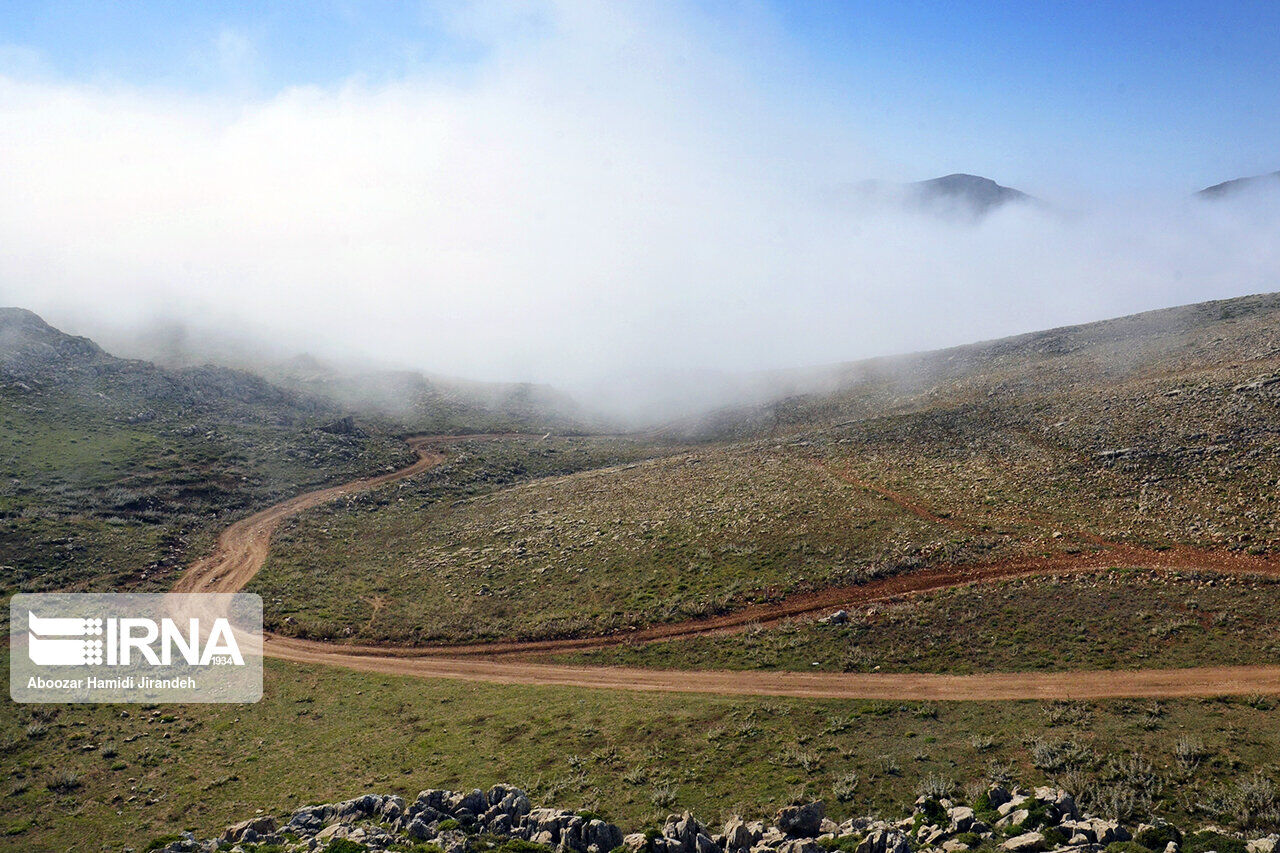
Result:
x=1027 y=842
x=458 y=821
x=804 y=821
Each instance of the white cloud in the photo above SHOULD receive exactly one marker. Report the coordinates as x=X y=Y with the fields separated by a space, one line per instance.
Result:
x=610 y=190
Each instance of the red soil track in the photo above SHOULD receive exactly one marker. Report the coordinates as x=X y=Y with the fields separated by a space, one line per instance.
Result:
x=242 y=549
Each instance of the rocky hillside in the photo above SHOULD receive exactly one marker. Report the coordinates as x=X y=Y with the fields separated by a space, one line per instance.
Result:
x=39 y=358
x=112 y=470
x=1239 y=338
x=417 y=402
x=505 y=820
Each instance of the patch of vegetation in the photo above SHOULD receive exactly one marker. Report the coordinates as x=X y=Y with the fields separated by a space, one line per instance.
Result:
x=311 y=739
x=344 y=845
x=1202 y=842
x=1126 y=847
x=1157 y=837
x=454 y=558
x=115 y=473
x=358 y=568
x=1107 y=620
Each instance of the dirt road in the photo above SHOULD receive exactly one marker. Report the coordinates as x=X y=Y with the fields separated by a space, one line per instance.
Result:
x=242 y=549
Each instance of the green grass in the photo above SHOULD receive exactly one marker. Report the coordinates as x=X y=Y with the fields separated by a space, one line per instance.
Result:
x=1118 y=619
x=695 y=533
x=89 y=501
x=326 y=734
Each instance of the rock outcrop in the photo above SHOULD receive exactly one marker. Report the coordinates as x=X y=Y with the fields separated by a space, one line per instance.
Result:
x=503 y=819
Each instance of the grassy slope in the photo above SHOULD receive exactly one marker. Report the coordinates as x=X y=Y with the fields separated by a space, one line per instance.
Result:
x=114 y=473
x=360 y=565
x=995 y=450
x=666 y=539
x=141 y=772
x=1120 y=619
x=1014 y=442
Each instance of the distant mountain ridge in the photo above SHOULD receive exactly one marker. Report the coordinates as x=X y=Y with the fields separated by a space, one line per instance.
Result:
x=173 y=376
x=978 y=194
x=958 y=195
x=1080 y=359
x=1227 y=188
x=35 y=354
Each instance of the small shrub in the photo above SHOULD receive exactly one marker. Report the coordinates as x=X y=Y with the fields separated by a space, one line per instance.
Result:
x=930 y=812
x=635 y=776
x=935 y=786
x=1067 y=713
x=1188 y=752
x=1200 y=842
x=1158 y=837
x=982 y=743
x=1037 y=817
x=1119 y=802
x=63 y=782
x=1054 y=837
x=840 y=844
x=663 y=796
x=519 y=845
x=845 y=787
x=1001 y=773
x=448 y=824
x=1260 y=702
x=161 y=841
x=1126 y=847
x=793 y=756
x=1054 y=756
x=983 y=810
x=344 y=845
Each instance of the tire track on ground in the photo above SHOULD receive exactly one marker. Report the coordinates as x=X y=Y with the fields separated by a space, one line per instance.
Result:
x=242 y=549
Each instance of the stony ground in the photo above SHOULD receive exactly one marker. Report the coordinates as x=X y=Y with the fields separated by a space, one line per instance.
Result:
x=992 y=817
x=1158 y=431
x=1119 y=619
x=115 y=473
x=94 y=777
x=662 y=540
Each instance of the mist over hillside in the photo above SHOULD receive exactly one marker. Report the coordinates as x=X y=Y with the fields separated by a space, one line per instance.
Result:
x=558 y=219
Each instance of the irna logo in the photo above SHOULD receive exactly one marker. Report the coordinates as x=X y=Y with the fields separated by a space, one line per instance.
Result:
x=135 y=647
x=55 y=641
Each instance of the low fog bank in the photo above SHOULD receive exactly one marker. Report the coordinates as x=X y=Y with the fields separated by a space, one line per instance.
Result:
x=727 y=321
x=617 y=207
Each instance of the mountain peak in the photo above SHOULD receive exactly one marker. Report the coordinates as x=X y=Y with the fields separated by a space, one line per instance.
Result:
x=1227 y=188
x=975 y=193
x=28 y=342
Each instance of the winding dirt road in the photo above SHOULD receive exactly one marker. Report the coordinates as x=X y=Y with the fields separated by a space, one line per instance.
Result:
x=242 y=549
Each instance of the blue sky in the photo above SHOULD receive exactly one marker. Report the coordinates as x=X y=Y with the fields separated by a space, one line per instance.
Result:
x=1049 y=96
x=555 y=190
